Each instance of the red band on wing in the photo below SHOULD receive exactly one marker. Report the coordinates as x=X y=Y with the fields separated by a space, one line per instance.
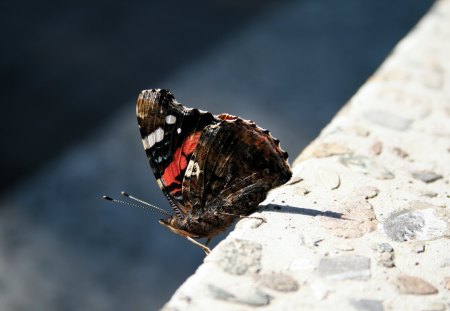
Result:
x=179 y=161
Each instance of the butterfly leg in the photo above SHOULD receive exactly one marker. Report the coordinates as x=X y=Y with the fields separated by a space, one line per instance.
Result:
x=203 y=247
x=207 y=241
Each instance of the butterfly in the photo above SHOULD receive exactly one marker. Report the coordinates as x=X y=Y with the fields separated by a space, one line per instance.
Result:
x=212 y=169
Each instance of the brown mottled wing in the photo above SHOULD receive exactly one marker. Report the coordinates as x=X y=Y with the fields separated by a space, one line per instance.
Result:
x=234 y=166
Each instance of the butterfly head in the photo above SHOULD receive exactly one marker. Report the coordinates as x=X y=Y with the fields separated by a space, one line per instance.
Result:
x=173 y=224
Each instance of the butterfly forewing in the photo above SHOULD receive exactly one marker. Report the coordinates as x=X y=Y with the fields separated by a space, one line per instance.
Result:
x=170 y=133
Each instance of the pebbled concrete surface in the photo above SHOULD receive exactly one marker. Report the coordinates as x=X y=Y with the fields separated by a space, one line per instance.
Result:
x=364 y=224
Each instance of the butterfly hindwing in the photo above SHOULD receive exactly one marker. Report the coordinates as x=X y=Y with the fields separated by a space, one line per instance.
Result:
x=234 y=167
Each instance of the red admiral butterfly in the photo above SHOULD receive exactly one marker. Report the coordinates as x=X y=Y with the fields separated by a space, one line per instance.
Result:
x=212 y=168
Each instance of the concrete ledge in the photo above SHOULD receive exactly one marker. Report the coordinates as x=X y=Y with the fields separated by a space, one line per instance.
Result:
x=364 y=222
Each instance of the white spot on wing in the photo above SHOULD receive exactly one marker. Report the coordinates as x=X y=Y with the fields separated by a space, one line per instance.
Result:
x=145 y=142
x=179 y=130
x=193 y=169
x=154 y=138
x=189 y=170
x=159 y=134
x=171 y=119
x=196 y=170
x=160 y=184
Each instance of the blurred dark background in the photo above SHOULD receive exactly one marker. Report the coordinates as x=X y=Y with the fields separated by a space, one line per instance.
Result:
x=67 y=66
x=70 y=74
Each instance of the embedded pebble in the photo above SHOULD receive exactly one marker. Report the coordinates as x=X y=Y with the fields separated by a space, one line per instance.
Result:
x=426 y=176
x=386 y=254
x=219 y=293
x=344 y=247
x=447 y=282
x=368 y=305
x=345 y=268
x=408 y=284
x=420 y=205
x=367 y=192
x=360 y=131
x=388 y=119
x=238 y=257
x=323 y=150
x=429 y=194
x=418 y=225
x=330 y=179
x=383 y=248
x=376 y=148
x=357 y=218
x=400 y=152
x=366 y=166
x=278 y=281
x=251 y=296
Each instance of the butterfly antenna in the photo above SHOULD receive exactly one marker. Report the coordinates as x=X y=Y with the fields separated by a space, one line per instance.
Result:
x=146 y=205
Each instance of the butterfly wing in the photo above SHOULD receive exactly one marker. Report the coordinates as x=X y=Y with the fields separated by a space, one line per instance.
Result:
x=233 y=167
x=170 y=133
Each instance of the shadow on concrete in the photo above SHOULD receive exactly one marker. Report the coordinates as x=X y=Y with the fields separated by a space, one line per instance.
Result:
x=300 y=210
